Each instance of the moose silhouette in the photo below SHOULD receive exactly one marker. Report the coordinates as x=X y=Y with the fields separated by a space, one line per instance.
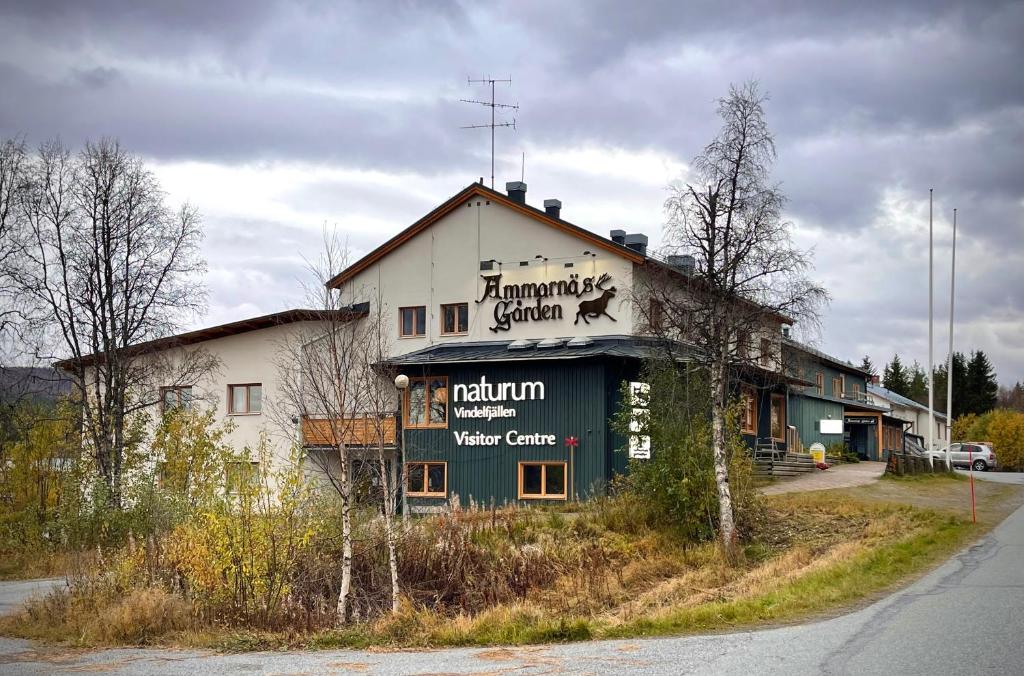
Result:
x=596 y=307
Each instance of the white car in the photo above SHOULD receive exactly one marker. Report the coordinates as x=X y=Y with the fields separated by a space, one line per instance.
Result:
x=978 y=457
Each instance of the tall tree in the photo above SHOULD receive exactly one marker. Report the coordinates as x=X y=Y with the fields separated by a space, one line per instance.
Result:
x=895 y=377
x=334 y=378
x=866 y=365
x=917 y=388
x=960 y=385
x=982 y=387
x=109 y=266
x=747 y=272
x=1012 y=397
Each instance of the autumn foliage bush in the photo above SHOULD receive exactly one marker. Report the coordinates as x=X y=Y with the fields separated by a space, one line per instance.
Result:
x=1003 y=427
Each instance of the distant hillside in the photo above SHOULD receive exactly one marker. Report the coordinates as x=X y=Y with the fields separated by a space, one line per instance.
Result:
x=33 y=383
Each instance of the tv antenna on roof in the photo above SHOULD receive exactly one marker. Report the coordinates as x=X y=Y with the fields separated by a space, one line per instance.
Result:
x=493 y=105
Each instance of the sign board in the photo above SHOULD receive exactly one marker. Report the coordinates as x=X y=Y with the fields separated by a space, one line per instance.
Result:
x=818 y=452
x=542 y=301
x=639 y=444
x=831 y=426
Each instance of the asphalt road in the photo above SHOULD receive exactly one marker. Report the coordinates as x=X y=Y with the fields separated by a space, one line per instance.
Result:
x=966 y=617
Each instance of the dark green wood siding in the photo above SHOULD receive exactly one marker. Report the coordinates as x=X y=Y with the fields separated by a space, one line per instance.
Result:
x=806 y=414
x=577 y=402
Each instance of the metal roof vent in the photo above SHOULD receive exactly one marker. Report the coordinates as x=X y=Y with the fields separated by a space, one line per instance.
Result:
x=549 y=342
x=580 y=341
x=520 y=344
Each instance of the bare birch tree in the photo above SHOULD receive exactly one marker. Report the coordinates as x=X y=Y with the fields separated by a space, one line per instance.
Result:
x=744 y=276
x=109 y=267
x=379 y=404
x=330 y=386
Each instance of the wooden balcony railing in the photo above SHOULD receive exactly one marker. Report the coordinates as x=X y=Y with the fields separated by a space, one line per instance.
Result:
x=354 y=431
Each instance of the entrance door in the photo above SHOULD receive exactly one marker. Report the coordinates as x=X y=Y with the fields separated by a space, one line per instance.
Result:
x=859 y=440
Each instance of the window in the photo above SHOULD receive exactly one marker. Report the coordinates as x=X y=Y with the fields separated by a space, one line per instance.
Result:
x=176 y=397
x=837 y=388
x=412 y=321
x=766 y=353
x=748 y=412
x=855 y=388
x=426 y=479
x=426 y=402
x=657 y=314
x=245 y=399
x=542 y=480
x=778 y=417
x=819 y=383
x=240 y=475
x=454 y=318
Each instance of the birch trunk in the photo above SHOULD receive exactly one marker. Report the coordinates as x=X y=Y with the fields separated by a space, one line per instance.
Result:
x=346 y=539
x=388 y=482
x=727 y=524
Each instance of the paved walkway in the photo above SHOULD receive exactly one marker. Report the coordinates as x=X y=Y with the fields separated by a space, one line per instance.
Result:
x=963 y=618
x=840 y=476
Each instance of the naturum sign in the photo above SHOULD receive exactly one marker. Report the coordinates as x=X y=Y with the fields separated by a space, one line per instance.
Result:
x=541 y=301
x=489 y=399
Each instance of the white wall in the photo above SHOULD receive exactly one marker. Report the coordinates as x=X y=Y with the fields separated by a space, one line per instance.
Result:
x=442 y=265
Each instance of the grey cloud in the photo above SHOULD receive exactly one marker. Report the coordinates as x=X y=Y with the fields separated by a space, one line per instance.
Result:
x=866 y=98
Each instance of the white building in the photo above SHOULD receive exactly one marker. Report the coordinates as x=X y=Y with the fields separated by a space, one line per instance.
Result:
x=915 y=415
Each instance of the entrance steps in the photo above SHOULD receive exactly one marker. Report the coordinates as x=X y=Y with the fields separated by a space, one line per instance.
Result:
x=788 y=465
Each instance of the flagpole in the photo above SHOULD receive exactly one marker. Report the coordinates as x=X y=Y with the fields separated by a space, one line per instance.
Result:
x=931 y=314
x=949 y=358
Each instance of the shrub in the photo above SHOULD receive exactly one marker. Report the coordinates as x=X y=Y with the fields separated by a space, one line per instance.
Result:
x=1003 y=427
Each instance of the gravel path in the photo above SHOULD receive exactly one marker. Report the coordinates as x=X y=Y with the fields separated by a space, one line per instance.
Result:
x=965 y=617
x=840 y=476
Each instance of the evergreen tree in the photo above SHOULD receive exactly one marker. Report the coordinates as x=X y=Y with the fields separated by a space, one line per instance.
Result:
x=1012 y=397
x=895 y=377
x=866 y=365
x=982 y=389
x=917 y=388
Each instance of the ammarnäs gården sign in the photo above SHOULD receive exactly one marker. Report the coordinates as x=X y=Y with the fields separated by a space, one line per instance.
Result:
x=531 y=301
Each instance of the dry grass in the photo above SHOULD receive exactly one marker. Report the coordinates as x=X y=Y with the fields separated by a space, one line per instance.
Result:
x=811 y=553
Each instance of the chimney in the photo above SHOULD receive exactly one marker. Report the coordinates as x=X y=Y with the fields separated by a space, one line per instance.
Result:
x=785 y=332
x=637 y=243
x=516 y=191
x=618 y=236
x=875 y=380
x=553 y=208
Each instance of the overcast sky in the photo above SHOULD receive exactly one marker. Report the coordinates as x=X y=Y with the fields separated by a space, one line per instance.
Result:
x=275 y=119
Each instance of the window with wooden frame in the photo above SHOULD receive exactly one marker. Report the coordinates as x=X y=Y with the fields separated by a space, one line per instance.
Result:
x=842 y=386
x=412 y=321
x=819 y=383
x=245 y=399
x=837 y=388
x=426 y=479
x=748 y=410
x=855 y=389
x=778 y=417
x=542 y=481
x=454 y=319
x=175 y=397
x=766 y=353
x=656 y=314
x=426 y=402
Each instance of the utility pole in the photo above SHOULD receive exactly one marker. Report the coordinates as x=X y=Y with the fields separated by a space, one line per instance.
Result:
x=949 y=358
x=931 y=372
x=493 y=105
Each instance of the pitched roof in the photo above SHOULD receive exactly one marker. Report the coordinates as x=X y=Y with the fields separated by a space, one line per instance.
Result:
x=629 y=347
x=235 y=328
x=456 y=201
x=900 y=399
x=824 y=356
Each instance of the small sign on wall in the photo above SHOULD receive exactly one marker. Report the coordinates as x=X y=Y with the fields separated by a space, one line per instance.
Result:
x=639 y=444
x=831 y=426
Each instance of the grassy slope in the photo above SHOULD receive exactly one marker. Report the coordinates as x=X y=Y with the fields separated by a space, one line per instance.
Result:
x=818 y=553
